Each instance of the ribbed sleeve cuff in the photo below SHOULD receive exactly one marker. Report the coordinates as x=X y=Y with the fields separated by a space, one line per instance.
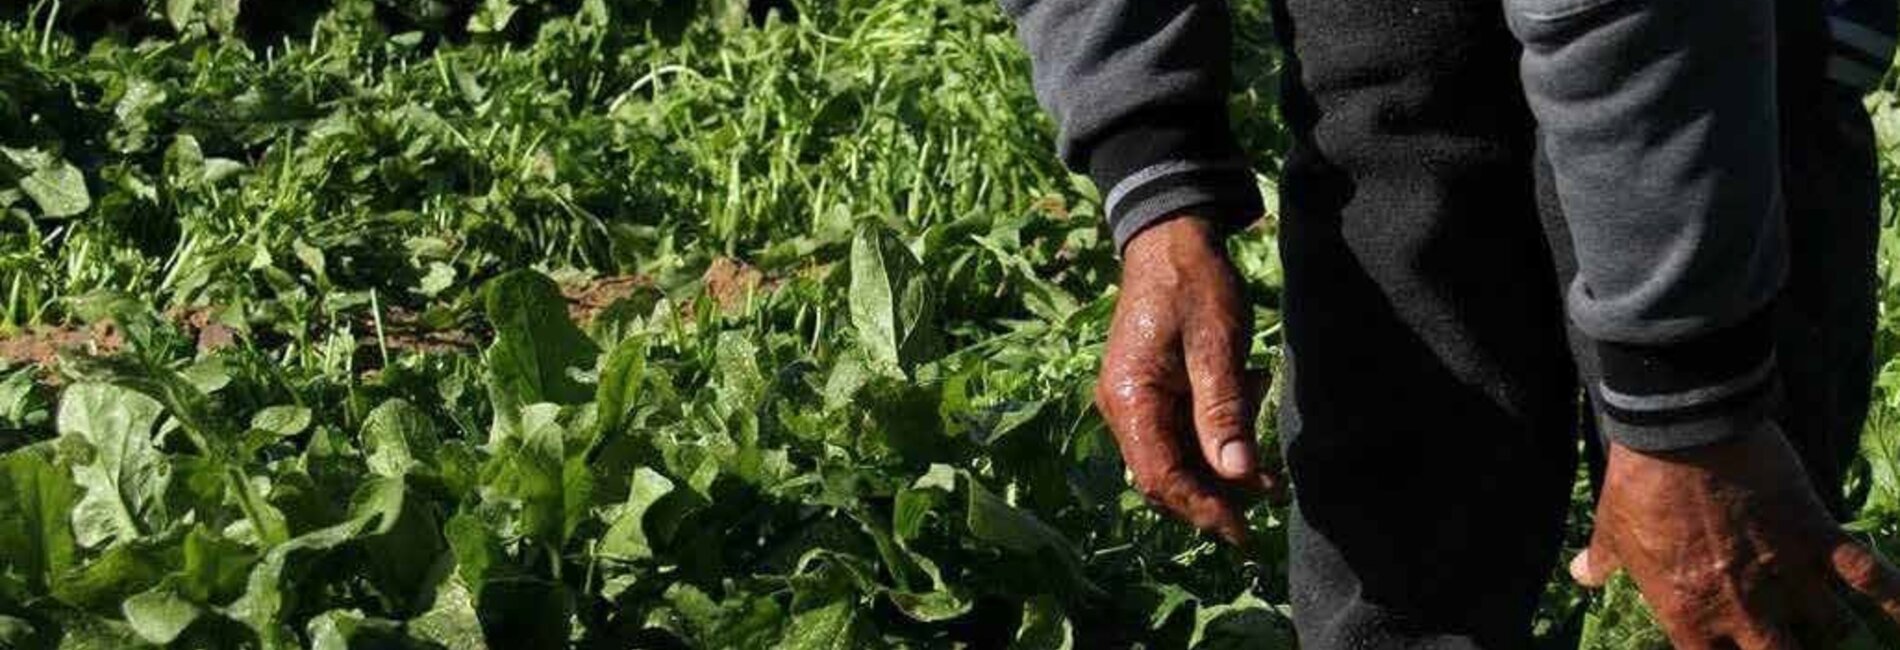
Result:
x=1164 y=163
x=1689 y=393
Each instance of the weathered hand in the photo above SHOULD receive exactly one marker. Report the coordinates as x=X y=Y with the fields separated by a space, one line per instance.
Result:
x=1729 y=544
x=1174 y=386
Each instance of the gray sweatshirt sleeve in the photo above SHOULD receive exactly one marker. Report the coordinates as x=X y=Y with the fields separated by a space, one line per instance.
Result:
x=1138 y=90
x=1659 y=120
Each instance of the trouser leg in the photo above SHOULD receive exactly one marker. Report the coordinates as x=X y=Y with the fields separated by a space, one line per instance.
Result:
x=1825 y=313
x=1430 y=418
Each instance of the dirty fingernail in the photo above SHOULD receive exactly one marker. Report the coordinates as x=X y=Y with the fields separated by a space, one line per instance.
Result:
x=1235 y=458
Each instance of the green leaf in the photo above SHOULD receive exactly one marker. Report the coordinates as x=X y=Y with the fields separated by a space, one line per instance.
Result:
x=493 y=17
x=125 y=476
x=891 y=305
x=743 y=620
x=347 y=629
x=834 y=626
x=532 y=475
x=1045 y=627
x=403 y=549
x=122 y=570
x=992 y=520
x=59 y=190
x=266 y=599
x=912 y=504
x=218 y=15
x=399 y=438
x=214 y=568
x=626 y=539
x=451 y=622
x=1248 y=622
x=159 y=615
x=621 y=377
x=282 y=421
x=36 y=535
x=537 y=350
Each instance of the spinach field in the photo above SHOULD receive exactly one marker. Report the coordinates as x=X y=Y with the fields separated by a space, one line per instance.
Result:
x=602 y=324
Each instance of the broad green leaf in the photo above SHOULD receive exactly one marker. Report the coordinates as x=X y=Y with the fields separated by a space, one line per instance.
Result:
x=992 y=520
x=399 y=438
x=266 y=598
x=934 y=606
x=451 y=622
x=283 y=421
x=59 y=190
x=36 y=534
x=627 y=539
x=537 y=350
x=122 y=570
x=125 y=476
x=214 y=569
x=403 y=549
x=832 y=627
x=159 y=615
x=1046 y=627
x=891 y=306
x=532 y=475
x=1247 y=622
x=351 y=630
x=742 y=620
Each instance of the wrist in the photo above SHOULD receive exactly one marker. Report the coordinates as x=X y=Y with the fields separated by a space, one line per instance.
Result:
x=1184 y=235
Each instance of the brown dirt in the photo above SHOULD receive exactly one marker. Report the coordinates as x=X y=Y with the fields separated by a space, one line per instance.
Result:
x=729 y=282
x=586 y=300
x=42 y=345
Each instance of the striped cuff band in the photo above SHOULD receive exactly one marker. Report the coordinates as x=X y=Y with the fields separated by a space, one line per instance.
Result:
x=1861 y=54
x=1169 y=161
x=1689 y=393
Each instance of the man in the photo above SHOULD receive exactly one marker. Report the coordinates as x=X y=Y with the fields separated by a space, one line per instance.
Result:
x=1488 y=204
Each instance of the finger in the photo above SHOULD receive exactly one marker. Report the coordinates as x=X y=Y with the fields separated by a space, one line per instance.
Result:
x=1146 y=420
x=1864 y=572
x=1191 y=498
x=1592 y=567
x=1216 y=351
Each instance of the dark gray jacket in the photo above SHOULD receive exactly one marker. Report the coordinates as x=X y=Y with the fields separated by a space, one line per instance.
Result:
x=1659 y=117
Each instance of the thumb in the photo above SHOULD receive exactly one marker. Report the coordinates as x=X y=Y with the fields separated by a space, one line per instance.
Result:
x=1592 y=567
x=1865 y=572
x=1222 y=405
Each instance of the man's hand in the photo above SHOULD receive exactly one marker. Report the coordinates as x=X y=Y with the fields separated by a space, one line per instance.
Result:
x=1174 y=386
x=1729 y=544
